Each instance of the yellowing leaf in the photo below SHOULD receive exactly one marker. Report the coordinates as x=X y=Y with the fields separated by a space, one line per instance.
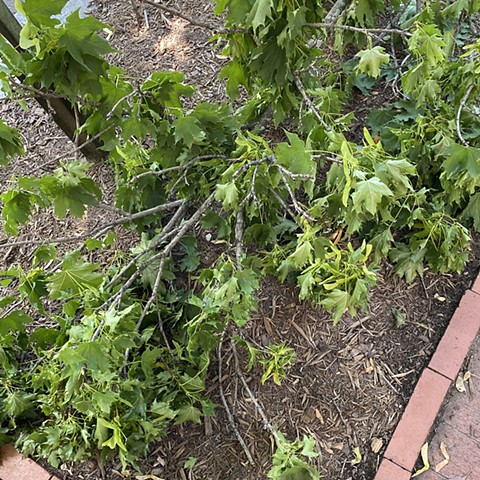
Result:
x=260 y=11
x=376 y=444
x=228 y=194
x=369 y=193
x=358 y=456
x=371 y=60
x=426 y=463
x=460 y=384
x=445 y=461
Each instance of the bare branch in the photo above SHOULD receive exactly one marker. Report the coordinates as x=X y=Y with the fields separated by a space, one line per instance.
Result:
x=194 y=22
x=97 y=231
x=126 y=97
x=228 y=412
x=266 y=423
x=76 y=149
x=366 y=31
x=310 y=103
x=239 y=224
x=283 y=204
x=167 y=232
x=185 y=166
x=163 y=254
x=137 y=12
x=296 y=205
x=336 y=11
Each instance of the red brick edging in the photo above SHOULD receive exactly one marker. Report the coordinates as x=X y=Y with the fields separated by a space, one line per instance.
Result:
x=422 y=409
x=14 y=466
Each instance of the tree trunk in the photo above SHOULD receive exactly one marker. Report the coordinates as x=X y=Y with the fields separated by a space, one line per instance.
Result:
x=62 y=113
x=9 y=27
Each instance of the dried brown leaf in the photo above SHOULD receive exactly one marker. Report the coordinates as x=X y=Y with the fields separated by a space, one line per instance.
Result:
x=376 y=444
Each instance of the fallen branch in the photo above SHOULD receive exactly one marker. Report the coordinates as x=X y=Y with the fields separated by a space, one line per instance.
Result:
x=169 y=230
x=336 y=11
x=163 y=254
x=185 y=166
x=296 y=205
x=76 y=149
x=99 y=230
x=239 y=229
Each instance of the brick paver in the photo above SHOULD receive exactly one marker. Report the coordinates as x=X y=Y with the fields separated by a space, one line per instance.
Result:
x=389 y=471
x=476 y=285
x=14 y=466
x=464 y=454
x=458 y=426
x=456 y=341
x=417 y=419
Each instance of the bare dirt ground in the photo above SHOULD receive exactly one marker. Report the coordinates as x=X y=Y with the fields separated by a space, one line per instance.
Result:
x=348 y=384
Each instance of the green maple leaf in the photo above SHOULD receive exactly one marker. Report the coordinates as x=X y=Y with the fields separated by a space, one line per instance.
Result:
x=371 y=60
x=80 y=39
x=235 y=75
x=10 y=142
x=302 y=255
x=366 y=9
x=237 y=9
x=369 y=193
x=260 y=11
x=11 y=57
x=296 y=158
x=188 y=130
x=72 y=189
x=18 y=402
x=427 y=42
x=228 y=194
x=473 y=211
x=336 y=300
x=409 y=263
x=460 y=159
x=188 y=413
x=14 y=322
x=17 y=206
x=167 y=87
x=428 y=92
x=95 y=357
x=75 y=276
x=39 y=12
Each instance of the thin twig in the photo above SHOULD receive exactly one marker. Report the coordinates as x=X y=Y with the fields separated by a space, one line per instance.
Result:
x=137 y=12
x=366 y=31
x=167 y=231
x=194 y=22
x=309 y=102
x=126 y=97
x=96 y=232
x=459 y=113
x=336 y=11
x=185 y=166
x=228 y=412
x=266 y=423
x=283 y=204
x=296 y=205
x=164 y=253
x=76 y=149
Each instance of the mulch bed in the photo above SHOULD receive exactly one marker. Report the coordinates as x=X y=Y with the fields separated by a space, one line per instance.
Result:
x=348 y=384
